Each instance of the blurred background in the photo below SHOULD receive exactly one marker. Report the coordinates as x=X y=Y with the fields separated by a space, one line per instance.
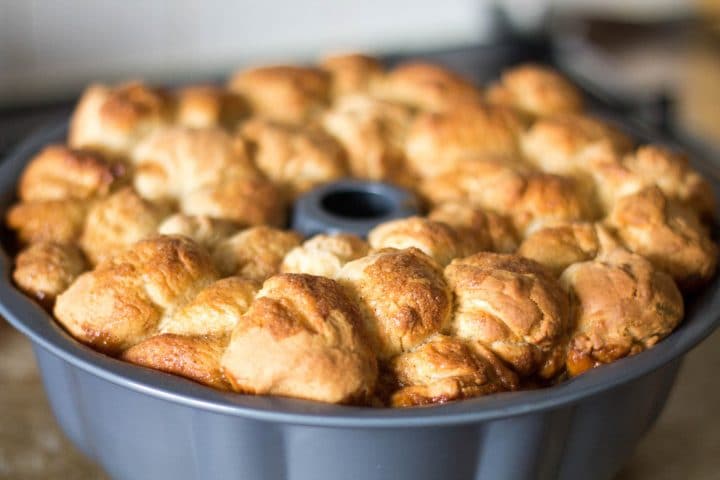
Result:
x=641 y=51
x=657 y=61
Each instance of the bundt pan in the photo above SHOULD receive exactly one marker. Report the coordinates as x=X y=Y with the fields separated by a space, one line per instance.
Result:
x=138 y=423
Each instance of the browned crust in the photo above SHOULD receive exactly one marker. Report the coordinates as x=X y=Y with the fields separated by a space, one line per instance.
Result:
x=528 y=198
x=202 y=106
x=121 y=302
x=352 y=72
x=536 y=90
x=436 y=239
x=492 y=231
x=46 y=269
x=307 y=322
x=324 y=254
x=59 y=221
x=288 y=94
x=113 y=119
x=445 y=369
x=426 y=86
x=196 y=358
x=222 y=159
x=245 y=201
x=668 y=234
x=255 y=253
x=117 y=221
x=621 y=306
x=59 y=172
x=558 y=247
x=512 y=306
x=297 y=159
x=214 y=311
x=402 y=295
x=440 y=142
x=372 y=132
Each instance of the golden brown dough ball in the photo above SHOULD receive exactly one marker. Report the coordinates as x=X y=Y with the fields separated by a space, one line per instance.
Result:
x=444 y=369
x=255 y=253
x=196 y=358
x=117 y=221
x=373 y=134
x=512 y=306
x=427 y=87
x=402 y=295
x=352 y=72
x=536 y=90
x=436 y=239
x=491 y=230
x=302 y=337
x=46 y=269
x=610 y=179
x=676 y=178
x=566 y=144
x=528 y=198
x=484 y=183
x=295 y=158
x=206 y=231
x=557 y=247
x=58 y=172
x=440 y=142
x=207 y=172
x=621 y=306
x=214 y=311
x=324 y=254
x=204 y=106
x=59 y=221
x=121 y=301
x=654 y=165
x=549 y=199
x=114 y=119
x=245 y=201
x=174 y=162
x=668 y=234
x=192 y=340
x=287 y=94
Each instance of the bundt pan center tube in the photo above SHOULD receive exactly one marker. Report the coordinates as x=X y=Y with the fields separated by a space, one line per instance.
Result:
x=351 y=206
x=140 y=423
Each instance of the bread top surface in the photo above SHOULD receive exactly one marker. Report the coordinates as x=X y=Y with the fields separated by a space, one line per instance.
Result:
x=296 y=159
x=309 y=323
x=427 y=86
x=112 y=119
x=284 y=93
x=324 y=254
x=125 y=297
x=428 y=309
x=514 y=307
x=444 y=369
x=436 y=239
x=402 y=295
x=59 y=172
x=536 y=90
x=352 y=72
x=622 y=305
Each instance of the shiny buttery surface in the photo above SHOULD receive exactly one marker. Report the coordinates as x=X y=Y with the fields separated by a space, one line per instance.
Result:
x=700 y=320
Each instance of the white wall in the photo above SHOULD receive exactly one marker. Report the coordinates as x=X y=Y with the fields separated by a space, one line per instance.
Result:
x=48 y=47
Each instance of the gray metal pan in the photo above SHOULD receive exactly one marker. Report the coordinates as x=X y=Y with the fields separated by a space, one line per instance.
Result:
x=139 y=423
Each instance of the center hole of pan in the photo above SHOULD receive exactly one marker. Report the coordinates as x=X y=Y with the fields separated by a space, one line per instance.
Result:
x=357 y=204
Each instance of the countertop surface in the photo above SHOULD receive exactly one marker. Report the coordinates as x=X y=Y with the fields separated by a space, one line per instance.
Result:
x=684 y=444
